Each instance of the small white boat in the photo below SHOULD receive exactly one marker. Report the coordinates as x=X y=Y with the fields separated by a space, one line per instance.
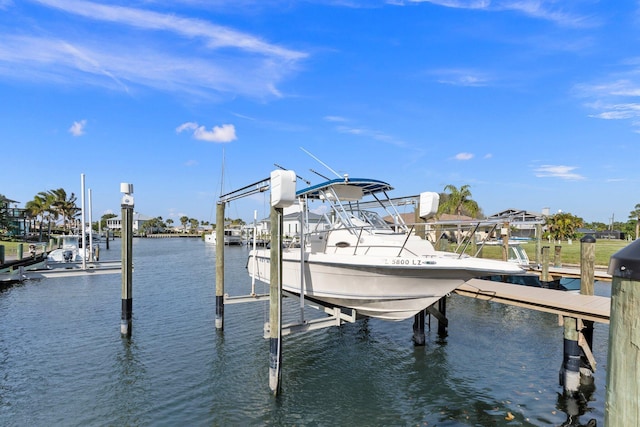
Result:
x=71 y=250
x=357 y=260
x=232 y=236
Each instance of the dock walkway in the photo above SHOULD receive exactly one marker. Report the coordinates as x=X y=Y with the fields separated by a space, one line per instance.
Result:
x=585 y=307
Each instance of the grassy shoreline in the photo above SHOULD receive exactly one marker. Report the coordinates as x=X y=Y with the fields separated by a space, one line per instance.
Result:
x=569 y=253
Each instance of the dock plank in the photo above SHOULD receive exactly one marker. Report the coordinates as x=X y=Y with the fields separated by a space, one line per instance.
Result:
x=586 y=307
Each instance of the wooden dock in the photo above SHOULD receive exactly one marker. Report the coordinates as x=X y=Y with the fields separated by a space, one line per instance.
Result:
x=570 y=271
x=563 y=303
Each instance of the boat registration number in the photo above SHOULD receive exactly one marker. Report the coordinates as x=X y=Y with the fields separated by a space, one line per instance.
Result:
x=408 y=261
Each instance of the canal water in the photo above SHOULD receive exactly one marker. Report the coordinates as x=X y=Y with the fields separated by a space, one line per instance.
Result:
x=63 y=361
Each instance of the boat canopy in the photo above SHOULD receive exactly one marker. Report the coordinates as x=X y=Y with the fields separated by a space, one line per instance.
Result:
x=365 y=186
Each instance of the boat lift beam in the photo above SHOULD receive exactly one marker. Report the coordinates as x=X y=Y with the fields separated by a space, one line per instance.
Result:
x=336 y=318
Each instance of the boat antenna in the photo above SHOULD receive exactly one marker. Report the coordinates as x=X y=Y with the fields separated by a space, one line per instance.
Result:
x=297 y=176
x=319 y=174
x=321 y=162
x=222 y=174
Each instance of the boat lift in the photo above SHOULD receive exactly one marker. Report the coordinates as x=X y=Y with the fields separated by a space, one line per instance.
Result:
x=282 y=184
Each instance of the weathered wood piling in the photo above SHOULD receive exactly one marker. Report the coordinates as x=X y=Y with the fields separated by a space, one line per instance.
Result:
x=622 y=405
x=220 y=265
x=127 y=258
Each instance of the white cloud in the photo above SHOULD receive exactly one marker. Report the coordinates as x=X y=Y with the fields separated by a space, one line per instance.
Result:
x=77 y=128
x=194 y=56
x=218 y=134
x=463 y=156
x=558 y=171
x=461 y=77
x=539 y=9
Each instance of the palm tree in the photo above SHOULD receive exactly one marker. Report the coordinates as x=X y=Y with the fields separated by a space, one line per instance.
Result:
x=184 y=220
x=563 y=225
x=458 y=202
x=635 y=214
x=65 y=207
x=37 y=209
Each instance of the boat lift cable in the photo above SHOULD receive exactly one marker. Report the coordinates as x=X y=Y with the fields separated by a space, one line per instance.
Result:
x=320 y=175
x=297 y=176
x=322 y=163
x=257 y=187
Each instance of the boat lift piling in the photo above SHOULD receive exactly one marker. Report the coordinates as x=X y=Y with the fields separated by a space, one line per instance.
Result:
x=127 y=258
x=622 y=406
x=275 y=301
x=220 y=265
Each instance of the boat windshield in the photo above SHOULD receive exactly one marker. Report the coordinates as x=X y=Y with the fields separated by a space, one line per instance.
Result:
x=374 y=219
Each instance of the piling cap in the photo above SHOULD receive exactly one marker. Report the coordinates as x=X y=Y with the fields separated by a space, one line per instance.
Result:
x=588 y=238
x=626 y=262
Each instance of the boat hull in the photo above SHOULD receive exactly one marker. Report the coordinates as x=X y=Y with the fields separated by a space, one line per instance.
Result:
x=381 y=287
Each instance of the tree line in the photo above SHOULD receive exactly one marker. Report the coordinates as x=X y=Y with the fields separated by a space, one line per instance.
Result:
x=59 y=211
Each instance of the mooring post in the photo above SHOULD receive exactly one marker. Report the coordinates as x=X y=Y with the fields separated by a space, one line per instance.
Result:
x=418 y=329
x=20 y=250
x=127 y=258
x=106 y=233
x=622 y=406
x=283 y=194
x=1 y=254
x=442 y=323
x=275 y=301
x=538 y=243
x=504 y=233
x=570 y=370
x=220 y=265
x=587 y=279
x=544 y=274
x=557 y=258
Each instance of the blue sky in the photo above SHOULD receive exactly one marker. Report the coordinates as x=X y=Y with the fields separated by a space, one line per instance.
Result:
x=533 y=104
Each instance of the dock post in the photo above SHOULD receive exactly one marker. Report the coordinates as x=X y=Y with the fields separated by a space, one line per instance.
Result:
x=127 y=258
x=544 y=274
x=442 y=324
x=570 y=371
x=538 y=243
x=587 y=276
x=557 y=258
x=418 y=329
x=504 y=233
x=220 y=265
x=106 y=233
x=622 y=406
x=20 y=250
x=275 y=301
x=1 y=254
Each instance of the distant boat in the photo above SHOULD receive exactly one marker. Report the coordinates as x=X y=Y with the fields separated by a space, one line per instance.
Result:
x=72 y=250
x=361 y=262
x=232 y=236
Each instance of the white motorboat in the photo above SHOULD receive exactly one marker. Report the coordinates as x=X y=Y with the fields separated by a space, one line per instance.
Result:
x=71 y=250
x=356 y=260
x=232 y=236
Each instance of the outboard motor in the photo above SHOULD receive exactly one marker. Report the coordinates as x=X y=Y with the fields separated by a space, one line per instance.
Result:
x=68 y=256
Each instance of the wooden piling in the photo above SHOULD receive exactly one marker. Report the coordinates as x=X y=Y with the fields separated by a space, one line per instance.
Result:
x=538 y=243
x=127 y=259
x=418 y=329
x=442 y=323
x=587 y=276
x=557 y=257
x=622 y=406
x=544 y=274
x=570 y=371
x=275 y=301
x=20 y=250
x=220 y=265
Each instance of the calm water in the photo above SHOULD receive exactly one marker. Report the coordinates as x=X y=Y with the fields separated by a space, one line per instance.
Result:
x=64 y=362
